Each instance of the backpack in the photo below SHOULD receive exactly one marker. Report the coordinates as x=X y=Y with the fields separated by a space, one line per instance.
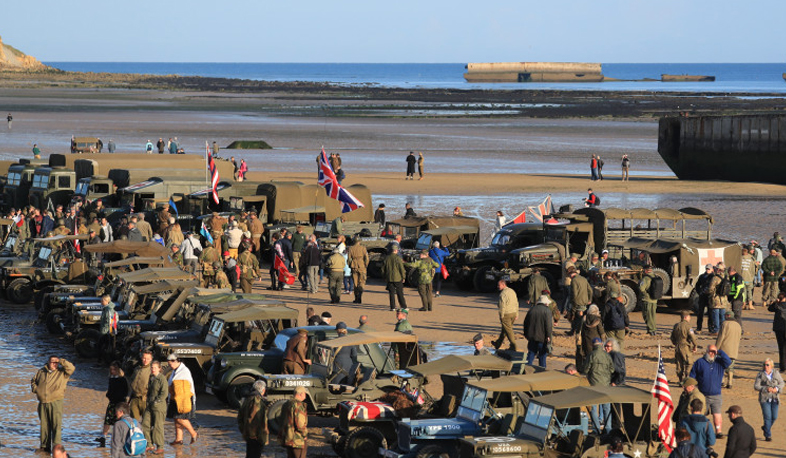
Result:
x=136 y=444
x=615 y=317
x=655 y=290
x=723 y=288
x=597 y=200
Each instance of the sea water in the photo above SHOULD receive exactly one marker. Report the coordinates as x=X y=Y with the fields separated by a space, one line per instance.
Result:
x=735 y=78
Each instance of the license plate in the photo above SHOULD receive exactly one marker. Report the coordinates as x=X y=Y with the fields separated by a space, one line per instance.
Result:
x=208 y=390
x=490 y=276
x=388 y=453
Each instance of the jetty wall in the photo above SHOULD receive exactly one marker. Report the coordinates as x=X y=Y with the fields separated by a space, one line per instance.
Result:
x=533 y=72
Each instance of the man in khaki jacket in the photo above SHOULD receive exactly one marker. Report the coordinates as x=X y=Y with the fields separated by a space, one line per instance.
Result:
x=508 y=314
x=358 y=262
x=140 y=380
x=49 y=385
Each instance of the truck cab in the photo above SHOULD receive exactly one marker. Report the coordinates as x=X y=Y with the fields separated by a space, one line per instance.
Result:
x=52 y=186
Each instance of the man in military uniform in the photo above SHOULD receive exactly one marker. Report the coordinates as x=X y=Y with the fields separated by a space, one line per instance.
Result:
x=155 y=409
x=508 y=305
x=594 y=262
x=719 y=302
x=748 y=273
x=49 y=385
x=257 y=229
x=402 y=324
x=295 y=425
x=535 y=286
x=252 y=420
x=176 y=256
x=163 y=218
x=426 y=268
x=295 y=360
x=393 y=272
x=335 y=266
x=566 y=279
x=358 y=263
x=480 y=349
x=689 y=393
x=249 y=270
x=143 y=226
x=771 y=268
x=208 y=257
x=337 y=226
x=684 y=344
x=599 y=368
x=217 y=223
x=221 y=281
x=648 y=304
x=580 y=298
x=703 y=288
x=61 y=229
x=298 y=245
x=139 y=383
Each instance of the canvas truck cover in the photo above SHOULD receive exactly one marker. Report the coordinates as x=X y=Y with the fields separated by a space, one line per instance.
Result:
x=436 y=222
x=164 y=286
x=460 y=363
x=216 y=296
x=539 y=381
x=451 y=235
x=147 y=249
x=151 y=261
x=594 y=395
x=695 y=252
x=155 y=274
x=259 y=312
x=57 y=238
x=364 y=338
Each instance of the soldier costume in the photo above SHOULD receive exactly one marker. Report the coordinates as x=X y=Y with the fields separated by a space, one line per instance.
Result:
x=222 y=281
x=403 y=324
x=684 y=345
x=683 y=406
x=580 y=298
x=295 y=354
x=358 y=262
x=249 y=270
x=252 y=422
x=295 y=428
x=49 y=386
x=208 y=257
x=155 y=411
x=648 y=304
x=508 y=305
x=426 y=268
x=535 y=286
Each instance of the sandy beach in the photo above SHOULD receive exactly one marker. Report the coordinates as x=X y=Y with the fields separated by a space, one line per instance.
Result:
x=483 y=163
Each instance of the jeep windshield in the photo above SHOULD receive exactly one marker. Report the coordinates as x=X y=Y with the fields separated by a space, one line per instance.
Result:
x=472 y=404
x=10 y=242
x=81 y=188
x=501 y=238
x=424 y=242
x=44 y=252
x=536 y=422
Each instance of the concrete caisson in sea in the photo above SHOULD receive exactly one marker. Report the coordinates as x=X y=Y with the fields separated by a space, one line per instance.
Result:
x=731 y=148
x=686 y=78
x=533 y=72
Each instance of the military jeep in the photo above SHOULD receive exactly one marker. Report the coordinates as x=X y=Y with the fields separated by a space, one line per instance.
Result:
x=564 y=425
x=247 y=329
x=487 y=407
x=452 y=238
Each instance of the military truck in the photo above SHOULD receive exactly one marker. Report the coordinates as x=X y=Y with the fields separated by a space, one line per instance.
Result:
x=247 y=329
x=487 y=407
x=591 y=230
x=18 y=181
x=468 y=267
x=558 y=425
x=452 y=238
x=81 y=145
x=362 y=429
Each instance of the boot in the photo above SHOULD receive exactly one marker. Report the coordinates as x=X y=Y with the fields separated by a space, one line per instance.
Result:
x=358 y=295
x=731 y=379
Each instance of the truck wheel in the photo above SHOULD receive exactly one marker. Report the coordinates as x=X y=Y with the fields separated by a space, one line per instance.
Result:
x=41 y=297
x=339 y=444
x=237 y=390
x=630 y=300
x=464 y=281
x=52 y=321
x=482 y=284
x=274 y=415
x=658 y=272
x=87 y=343
x=20 y=291
x=364 y=442
x=436 y=451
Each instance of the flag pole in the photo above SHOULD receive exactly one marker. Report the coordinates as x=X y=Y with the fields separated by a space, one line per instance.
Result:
x=207 y=165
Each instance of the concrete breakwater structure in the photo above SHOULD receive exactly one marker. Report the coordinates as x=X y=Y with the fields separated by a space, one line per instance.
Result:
x=533 y=72
x=733 y=148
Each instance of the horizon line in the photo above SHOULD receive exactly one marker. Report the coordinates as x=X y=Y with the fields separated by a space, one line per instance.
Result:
x=377 y=63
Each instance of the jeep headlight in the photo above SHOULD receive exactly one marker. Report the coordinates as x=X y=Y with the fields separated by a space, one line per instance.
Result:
x=222 y=364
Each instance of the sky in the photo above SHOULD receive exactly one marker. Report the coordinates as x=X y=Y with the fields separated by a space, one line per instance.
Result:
x=372 y=31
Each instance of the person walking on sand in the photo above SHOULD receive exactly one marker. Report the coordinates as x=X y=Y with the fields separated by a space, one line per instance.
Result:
x=537 y=331
x=294 y=430
x=769 y=384
x=508 y=305
x=600 y=168
x=708 y=372
x=742 y=439
x=625 y=167
x=36 y=151
x=394 y=273
x=411 y=161
x=181 y=399
x=241 y=172
x=49 y=385
x=111 y=146
x=684 y=344
x=252 y=420
x=155 y=410
x=216 y=149
x=149 y=147
x=10 y=119
x=420 y=165
x=594 y=168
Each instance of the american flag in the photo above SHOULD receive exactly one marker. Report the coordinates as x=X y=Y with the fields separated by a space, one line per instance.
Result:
x=544 y=209
x=327 y=179
x=661 y=392
x=211 y=164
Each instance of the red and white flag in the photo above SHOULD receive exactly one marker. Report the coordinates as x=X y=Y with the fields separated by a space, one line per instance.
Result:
x=283 y=273
x=662 y=393
x=211 y=165
x=521 y=218
x=543 y=210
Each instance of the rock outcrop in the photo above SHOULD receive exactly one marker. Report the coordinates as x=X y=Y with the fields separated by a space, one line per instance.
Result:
x=14 y=59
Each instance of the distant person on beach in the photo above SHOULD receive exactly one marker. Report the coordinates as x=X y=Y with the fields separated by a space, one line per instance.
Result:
x=592 y=200
x=234 y=164
x=594 y=168
x=10 y=119
x=173 y=146
x=99 y=145
x=411 y=161
x=410 y=212
x=379 y=215
x=241 y=172
x=160 y=145
x=600 y=168
x=110 y=146
x=149 y=147
x=625 y=167
x=499 y=221
x=216 y=148
x=420 y=165
x=36 y=151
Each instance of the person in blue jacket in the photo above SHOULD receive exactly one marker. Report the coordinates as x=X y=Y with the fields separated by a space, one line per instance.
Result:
x=438 y=254
x=708 y=371
x=701 y=431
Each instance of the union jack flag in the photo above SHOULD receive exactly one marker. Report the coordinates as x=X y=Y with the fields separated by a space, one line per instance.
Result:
x=544 y=209
x=661 y=392
x=211 y=164
x=327 y=179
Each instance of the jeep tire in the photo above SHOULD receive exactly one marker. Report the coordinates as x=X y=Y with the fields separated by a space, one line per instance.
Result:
x=437 y=451
x=87 y=343
x=237 y=389
x=630 y=299
x=20 y=291
x=364 y=442
x=483 y=285
x=275 y=414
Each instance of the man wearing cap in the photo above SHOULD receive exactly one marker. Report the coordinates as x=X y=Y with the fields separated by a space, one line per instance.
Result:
x=566 y=278
x=729 y=342
x=208 y=258
x=649 y=305
x=684 y=344
x=508 y=305
x=345 y=358
x=326 y=318
x=358 y=264
x=748 y=273
x=425 y=267
x=537 y=331
x=49 y=385
x=689 y=394
x=719 y=302
x=393 y=272
x=594 y=262
x=294 y=429
x=742 y=440
x=221 y=280
x=402 y=322
x=295 y=360
x=771 y=268
x=708 y=372
x=580 y=298
x=480 y=349
x=252 y=420
x=335 y=266
x=600 y=367
x=234 y=236
x=257 y=229
x=703 y=289
x=249 y=270
x=535 y=284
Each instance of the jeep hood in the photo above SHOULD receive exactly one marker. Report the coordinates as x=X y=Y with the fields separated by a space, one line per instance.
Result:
x=504 y=445
x=441 y=427
x=187 y=348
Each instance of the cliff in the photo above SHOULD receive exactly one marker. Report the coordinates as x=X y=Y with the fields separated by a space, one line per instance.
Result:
x=14 y=59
